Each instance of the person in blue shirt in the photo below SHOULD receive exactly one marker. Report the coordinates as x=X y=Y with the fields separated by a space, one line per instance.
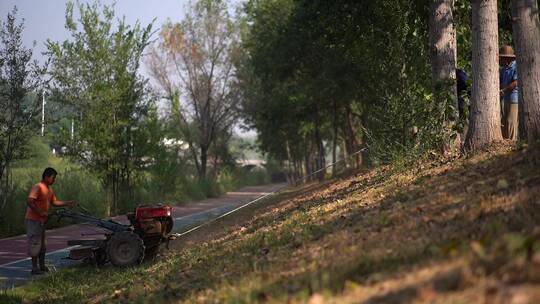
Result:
x=461 y=83
x=509 y=92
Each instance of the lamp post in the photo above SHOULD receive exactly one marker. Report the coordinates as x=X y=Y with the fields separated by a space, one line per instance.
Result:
x=43 y=114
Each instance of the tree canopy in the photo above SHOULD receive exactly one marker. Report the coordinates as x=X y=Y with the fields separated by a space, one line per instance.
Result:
x=96 y=74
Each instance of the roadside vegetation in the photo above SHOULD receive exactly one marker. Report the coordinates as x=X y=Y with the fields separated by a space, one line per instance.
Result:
x=442 y=231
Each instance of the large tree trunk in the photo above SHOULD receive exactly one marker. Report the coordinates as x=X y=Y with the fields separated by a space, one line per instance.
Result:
x=526 y=27
x=442 y=40
x=297 y=171
x=485 y=123
x=291 y=165
x=334 y=139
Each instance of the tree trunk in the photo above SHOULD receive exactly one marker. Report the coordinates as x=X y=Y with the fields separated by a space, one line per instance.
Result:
x=3 y=192
x=4 y=189
x=112 y=190
x=297 y=171
x=522 y=129
x=442 y=40
x=215 y=166
x=291 y=165
x=4 y=170
x=352 y=141
x=307 y=164
x=526 y=28
x=334 y=140
x=344 y=153
x=485 y=123
x=320 y=160
x=204 y=162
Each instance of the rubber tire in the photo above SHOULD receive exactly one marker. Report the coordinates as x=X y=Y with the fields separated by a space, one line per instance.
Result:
x=125 y=249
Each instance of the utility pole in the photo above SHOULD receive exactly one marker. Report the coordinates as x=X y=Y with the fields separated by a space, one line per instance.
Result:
x=43 y=115
x=72 y=128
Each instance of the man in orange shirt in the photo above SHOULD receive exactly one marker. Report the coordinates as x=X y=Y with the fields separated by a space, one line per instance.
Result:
x=40 y=199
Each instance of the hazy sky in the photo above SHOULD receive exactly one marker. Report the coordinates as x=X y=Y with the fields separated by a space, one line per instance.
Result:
x=45 y=19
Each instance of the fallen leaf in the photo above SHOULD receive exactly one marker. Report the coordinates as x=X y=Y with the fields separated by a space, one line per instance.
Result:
x=316 y=298
x=478 y=249
x=502 y=184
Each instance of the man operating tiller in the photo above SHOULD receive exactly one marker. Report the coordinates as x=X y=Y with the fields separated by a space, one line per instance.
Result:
x=40 y=199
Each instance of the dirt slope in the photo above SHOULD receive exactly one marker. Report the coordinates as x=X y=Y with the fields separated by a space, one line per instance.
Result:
x=445 y=231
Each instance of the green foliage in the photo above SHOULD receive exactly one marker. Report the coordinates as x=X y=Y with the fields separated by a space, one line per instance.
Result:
x=234 y=178
x=462 y=18
x=96 y=73
x=350 y=72
x=20 y=79
x=73 y=183
x=359 y=67
x=81 y=185
x=255 y=176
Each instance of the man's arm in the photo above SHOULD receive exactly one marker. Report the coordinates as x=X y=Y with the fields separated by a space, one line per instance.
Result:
x=31 y=202
x=509 y=88
x=58 y=203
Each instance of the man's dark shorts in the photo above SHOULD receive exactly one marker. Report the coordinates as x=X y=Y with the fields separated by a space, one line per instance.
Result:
x=35 y=234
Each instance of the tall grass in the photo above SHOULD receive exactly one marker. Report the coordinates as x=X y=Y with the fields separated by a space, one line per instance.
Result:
x=73 y=183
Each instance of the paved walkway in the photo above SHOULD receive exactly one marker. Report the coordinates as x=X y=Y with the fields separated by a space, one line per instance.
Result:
x=15 y=264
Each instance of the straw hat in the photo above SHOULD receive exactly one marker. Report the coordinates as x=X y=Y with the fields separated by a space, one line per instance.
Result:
x=507 y=51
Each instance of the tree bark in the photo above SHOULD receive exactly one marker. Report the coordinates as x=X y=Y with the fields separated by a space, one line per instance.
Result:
x=485 y=123
x=442 y=37
x=307 y=163
x=320 y=160
x=5 y=191
x=334 y=140
x=526 y=28
x=203 y=162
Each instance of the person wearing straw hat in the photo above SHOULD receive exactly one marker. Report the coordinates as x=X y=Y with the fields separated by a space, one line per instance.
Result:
x=509 y=92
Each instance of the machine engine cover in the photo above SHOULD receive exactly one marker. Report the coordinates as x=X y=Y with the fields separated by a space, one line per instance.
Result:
x=152 y=212
x=150 y=226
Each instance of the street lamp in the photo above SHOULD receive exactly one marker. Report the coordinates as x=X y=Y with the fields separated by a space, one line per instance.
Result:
x=43 y=114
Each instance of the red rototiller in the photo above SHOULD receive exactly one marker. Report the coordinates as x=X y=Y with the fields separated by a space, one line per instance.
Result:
x=123 y=245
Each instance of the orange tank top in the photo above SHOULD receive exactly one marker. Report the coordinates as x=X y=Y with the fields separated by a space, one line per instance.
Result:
x=44 y=197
